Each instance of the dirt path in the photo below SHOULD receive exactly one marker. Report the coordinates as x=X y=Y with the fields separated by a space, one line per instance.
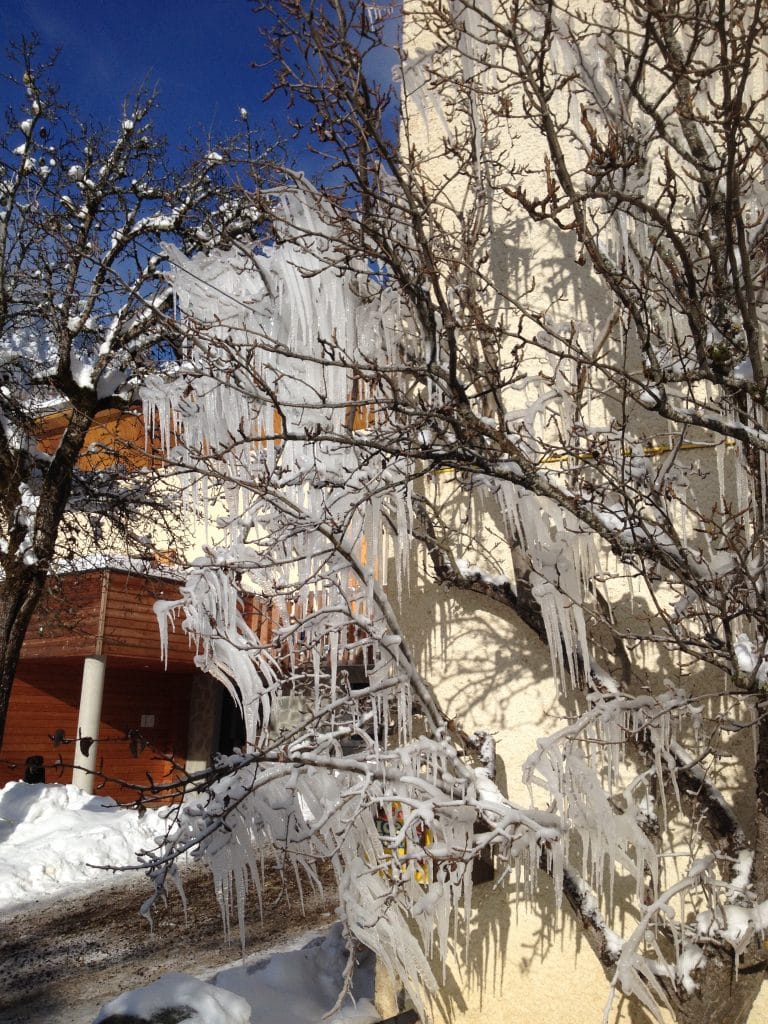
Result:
x=61 y=959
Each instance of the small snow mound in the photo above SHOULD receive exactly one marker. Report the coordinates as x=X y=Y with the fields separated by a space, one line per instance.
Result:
x=200 y=1002
x=300 y=986
x=53 y=835
x=295 y=986
x=25 y=801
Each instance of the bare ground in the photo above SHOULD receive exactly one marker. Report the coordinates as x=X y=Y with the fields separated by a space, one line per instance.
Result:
x=62 y=958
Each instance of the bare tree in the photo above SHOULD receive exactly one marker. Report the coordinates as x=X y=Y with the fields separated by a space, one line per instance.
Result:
x=548 y=280
x=84 y=312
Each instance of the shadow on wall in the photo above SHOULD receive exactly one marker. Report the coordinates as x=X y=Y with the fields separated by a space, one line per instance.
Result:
x=490 y=671
x=543 y=264
x=524 y=958
x=723 y=728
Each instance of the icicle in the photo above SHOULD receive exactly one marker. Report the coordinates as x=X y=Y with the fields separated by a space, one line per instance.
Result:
x=165 y=613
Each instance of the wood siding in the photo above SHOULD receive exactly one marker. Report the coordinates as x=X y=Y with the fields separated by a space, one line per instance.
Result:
x=66 y=621
x=115 y=438
x=130 y=624
x=45 y=699
x=105 y=612
x=110 y=613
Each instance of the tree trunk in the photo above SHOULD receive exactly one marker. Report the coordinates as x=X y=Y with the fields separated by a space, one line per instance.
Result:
x=19 y=596
x=723 y=997
x=723 y=994
x=24 y=580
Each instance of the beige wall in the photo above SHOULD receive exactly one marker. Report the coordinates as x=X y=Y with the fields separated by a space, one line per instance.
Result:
x=526 y=960
x=489 y=671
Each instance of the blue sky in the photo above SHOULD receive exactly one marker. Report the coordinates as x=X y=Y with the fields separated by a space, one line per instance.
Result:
x=197 y=52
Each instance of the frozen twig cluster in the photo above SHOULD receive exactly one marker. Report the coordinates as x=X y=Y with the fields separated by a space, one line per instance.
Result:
x=526 y=338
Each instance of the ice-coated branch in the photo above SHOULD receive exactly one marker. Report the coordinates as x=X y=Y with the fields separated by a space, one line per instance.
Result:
x=522 y=337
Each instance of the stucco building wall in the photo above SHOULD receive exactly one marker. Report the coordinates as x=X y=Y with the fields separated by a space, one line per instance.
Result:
x=525 y=959
x=489 y=670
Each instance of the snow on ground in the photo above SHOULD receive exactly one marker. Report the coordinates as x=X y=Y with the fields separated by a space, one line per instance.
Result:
x=209 y=1004
x=53 y=837
x=296 y=986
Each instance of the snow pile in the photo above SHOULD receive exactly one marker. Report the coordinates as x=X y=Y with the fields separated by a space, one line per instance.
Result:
x=302 y=985
x=53 y=836
x=204 y=1003
x=297 y=986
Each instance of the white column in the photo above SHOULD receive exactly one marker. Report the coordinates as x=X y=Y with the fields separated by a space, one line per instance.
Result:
x=89 y=720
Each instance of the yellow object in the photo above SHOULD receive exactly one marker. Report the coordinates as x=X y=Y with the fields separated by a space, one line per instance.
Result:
x=389 y=821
